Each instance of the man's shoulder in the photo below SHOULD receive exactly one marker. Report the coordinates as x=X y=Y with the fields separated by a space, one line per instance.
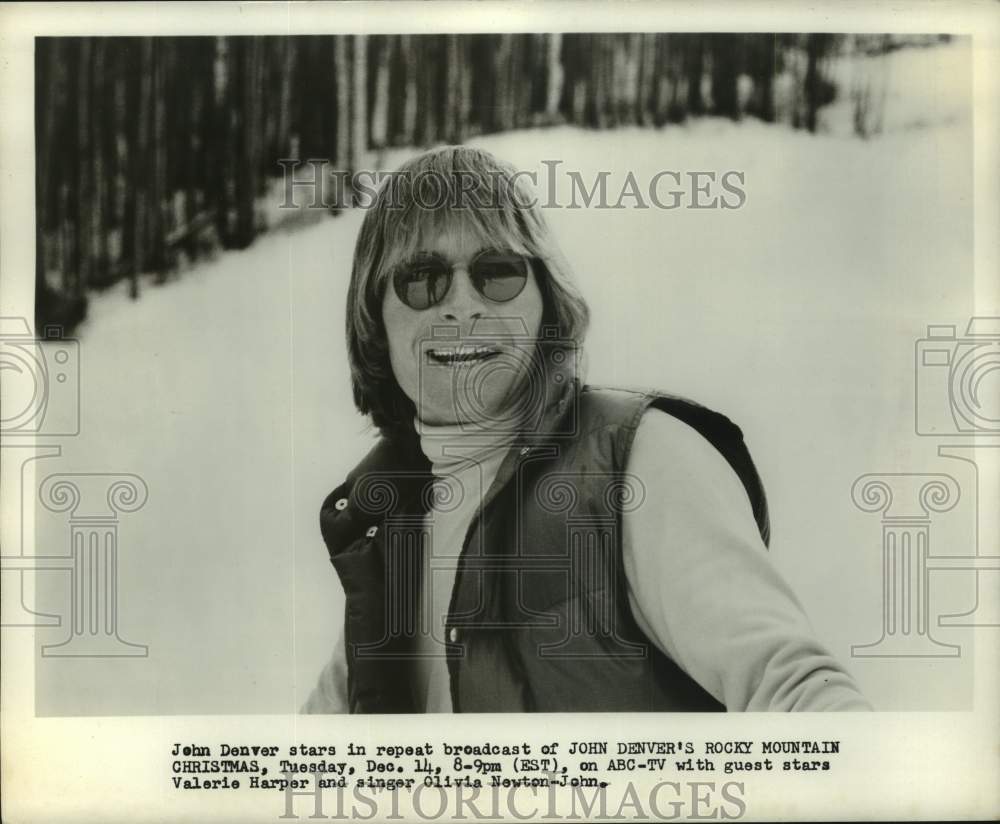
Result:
x=629 y=404
x=665 y=446
x=692 y=427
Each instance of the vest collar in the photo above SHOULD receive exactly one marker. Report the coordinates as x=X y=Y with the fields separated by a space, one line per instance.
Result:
x=395 y=476
x=404 y=454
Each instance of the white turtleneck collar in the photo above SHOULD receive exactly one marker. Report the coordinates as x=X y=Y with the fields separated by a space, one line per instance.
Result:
x=453 y=447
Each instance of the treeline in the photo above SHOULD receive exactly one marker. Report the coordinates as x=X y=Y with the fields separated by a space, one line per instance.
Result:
x=152 y=152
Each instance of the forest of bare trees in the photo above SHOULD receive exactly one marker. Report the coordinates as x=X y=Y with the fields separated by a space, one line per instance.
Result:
x=152 y=152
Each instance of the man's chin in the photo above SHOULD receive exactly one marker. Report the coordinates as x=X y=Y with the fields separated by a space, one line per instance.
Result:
x=479 y=412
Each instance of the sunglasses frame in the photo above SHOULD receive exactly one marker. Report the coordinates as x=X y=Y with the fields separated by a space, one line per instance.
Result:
x=401 y=268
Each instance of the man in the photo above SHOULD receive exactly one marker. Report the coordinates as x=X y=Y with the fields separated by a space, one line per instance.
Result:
x=519 y=542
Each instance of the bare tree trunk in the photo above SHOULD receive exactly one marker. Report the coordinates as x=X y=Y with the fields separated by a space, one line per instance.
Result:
x=761 y=66
x=407 y=46
x=483 y=60
x=575 y=101
x=342 y=74
x=817 y=46
x=224 y=143
x=427 y=111
x=694 y=70
x=45 y=107
x=553 y=75
x=380 y=105
x=47 y=104
x=122 y=191
x=81 y=243
x=504 y=108
x=159 y=194
x=248 y=174
x=450 y=126
x=674 y=54
x=98 y=234
x=139 y=158
x=633 y=79
x=594 y=112
x=725 y=70
x=359 y=101
x=646 y=66
x=464 y=91
x=283 y=137
x=194 y=162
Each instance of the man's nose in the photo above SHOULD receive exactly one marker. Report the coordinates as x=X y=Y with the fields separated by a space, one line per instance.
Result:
x=462 y=302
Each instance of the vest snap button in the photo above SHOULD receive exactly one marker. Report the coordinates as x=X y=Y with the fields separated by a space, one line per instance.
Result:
x=341 y=505
x=371 y=531
x=453 y=635
x=525 y=450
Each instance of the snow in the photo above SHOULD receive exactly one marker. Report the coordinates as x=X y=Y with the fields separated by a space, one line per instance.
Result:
x=227 y=390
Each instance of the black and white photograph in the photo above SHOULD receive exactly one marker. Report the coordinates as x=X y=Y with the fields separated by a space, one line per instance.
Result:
x=559 y=390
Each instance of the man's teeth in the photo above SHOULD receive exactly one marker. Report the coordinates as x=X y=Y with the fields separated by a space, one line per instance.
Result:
x=461 y=354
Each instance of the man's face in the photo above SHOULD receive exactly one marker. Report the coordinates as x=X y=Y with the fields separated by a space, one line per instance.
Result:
x=458 y=359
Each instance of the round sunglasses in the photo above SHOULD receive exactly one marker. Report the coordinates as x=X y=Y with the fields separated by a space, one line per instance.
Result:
x=424 y=280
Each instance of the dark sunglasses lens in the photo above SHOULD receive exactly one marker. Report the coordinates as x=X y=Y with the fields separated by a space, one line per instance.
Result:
x=423 y=284
x=500 y=277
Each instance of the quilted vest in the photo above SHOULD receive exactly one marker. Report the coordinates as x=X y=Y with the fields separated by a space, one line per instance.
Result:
x=539 y=618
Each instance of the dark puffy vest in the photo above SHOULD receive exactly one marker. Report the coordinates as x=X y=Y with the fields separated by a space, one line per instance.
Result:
x=539 y=618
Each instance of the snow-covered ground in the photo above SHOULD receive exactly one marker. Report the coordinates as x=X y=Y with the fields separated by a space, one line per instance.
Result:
x=227 y=391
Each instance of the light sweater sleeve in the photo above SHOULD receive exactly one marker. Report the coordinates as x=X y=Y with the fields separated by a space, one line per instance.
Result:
x=703 y=589
x=329 y=696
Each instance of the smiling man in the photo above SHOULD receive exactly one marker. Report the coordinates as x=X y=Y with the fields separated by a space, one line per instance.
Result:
x=517 y=541
x=443 y=327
